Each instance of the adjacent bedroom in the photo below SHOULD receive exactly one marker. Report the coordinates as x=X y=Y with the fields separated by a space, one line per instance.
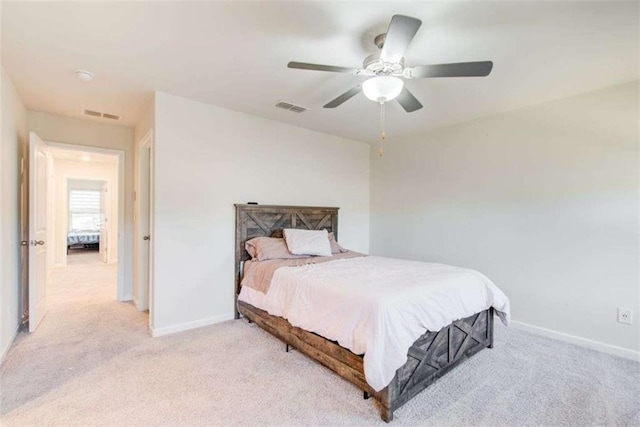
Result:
x=252 y=213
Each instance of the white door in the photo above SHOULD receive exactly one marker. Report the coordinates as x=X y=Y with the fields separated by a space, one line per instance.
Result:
x=145 y=228
x=104 y=223
x=38 y=152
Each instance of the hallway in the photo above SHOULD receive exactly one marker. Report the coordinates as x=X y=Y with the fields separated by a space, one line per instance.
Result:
x=84 y=327
x=84 y=282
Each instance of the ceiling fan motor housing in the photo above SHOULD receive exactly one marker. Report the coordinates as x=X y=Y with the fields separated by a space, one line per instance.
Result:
x=376 y=66
x=380 y=39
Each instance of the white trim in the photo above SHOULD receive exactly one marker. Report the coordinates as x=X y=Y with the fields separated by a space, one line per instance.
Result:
x=144 y=163
x=573 y=339
x=6 y=349
x=190 y=325
x=123 y=288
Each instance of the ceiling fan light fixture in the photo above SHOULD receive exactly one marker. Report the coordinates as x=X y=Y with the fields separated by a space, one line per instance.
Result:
x=84 y=75
x=382 y=88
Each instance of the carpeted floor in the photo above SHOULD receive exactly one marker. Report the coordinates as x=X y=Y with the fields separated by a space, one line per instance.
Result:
x=83 y=256
x=92 y=362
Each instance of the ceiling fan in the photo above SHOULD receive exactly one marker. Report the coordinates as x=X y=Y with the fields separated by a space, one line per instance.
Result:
x=386 y=69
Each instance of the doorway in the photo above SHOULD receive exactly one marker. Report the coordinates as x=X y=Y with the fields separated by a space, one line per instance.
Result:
x=89 y=221
x=85 y=227
x=76 y=198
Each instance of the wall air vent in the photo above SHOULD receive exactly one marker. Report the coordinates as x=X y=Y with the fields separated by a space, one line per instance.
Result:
x=92 y=113
x=291 y=107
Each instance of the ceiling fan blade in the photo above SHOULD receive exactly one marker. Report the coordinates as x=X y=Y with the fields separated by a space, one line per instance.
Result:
x=319 y=67
x=460 y=69
x=344 y=97
x=409 y=102
x=401 y=31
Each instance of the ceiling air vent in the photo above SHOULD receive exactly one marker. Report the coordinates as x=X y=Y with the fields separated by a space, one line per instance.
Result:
x=291 y=107
x=110 y=116
x=92 y=113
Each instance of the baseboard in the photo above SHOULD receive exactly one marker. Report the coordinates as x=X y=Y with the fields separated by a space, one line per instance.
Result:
x=7 y=347
x=573 y=339
x=125 y=298
x=158 y=332
x=135 y=303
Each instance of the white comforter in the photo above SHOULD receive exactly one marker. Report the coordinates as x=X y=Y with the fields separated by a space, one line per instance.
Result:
x=378 y=306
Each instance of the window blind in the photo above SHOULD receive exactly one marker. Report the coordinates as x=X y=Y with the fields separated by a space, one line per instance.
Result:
x=84 y=210
x=84 y=201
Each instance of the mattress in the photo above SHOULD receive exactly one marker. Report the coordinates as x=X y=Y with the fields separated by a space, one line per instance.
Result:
x=377 y=306
x=83 y=237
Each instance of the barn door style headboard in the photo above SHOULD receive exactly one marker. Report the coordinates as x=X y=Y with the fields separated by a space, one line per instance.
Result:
x=269 y=220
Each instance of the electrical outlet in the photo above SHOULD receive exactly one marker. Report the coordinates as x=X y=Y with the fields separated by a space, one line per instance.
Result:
x=625 y=315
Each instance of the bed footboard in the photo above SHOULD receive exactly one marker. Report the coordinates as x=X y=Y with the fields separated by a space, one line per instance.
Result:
x=430 y=357
x=436 y=353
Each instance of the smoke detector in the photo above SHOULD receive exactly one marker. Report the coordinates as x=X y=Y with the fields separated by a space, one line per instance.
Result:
x=84 y=75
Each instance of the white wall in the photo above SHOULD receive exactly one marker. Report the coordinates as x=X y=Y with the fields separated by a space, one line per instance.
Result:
x=52 y=127
x=14 y=140
x=70 y=169
x=543 y=200
x=207 y=159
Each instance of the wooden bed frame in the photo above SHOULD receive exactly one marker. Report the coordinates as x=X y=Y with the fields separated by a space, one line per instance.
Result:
x=430 y=357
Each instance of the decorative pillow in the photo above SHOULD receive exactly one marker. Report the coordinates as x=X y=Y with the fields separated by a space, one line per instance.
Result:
x=307 y=242
x=265 y=248
x=335 y=247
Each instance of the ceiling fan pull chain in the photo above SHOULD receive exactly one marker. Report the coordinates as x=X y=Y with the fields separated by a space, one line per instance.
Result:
x=383 y=134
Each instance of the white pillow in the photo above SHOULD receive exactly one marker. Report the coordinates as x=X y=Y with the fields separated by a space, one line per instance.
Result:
x=307 y=242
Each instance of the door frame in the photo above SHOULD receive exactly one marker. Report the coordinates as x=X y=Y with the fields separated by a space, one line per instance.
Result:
x=143 y=145
x=125 y=291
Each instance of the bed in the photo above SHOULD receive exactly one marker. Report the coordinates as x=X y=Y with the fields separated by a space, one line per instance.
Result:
x=82 y=239
x=429 y=357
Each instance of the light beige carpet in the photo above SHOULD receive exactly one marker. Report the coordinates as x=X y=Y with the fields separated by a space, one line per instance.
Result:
x=92 y=362
x=82 y=256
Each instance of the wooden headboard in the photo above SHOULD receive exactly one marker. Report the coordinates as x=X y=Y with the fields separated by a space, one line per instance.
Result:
x=268 y=220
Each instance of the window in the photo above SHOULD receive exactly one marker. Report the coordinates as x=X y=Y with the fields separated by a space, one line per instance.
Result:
x=84 y=210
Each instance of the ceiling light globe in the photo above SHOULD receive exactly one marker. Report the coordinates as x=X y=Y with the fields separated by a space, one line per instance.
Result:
x=382 y=88
x=84 y=75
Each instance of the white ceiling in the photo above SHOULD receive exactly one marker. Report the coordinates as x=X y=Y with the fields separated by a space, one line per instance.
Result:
x=82 y=156
x=234 y=55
